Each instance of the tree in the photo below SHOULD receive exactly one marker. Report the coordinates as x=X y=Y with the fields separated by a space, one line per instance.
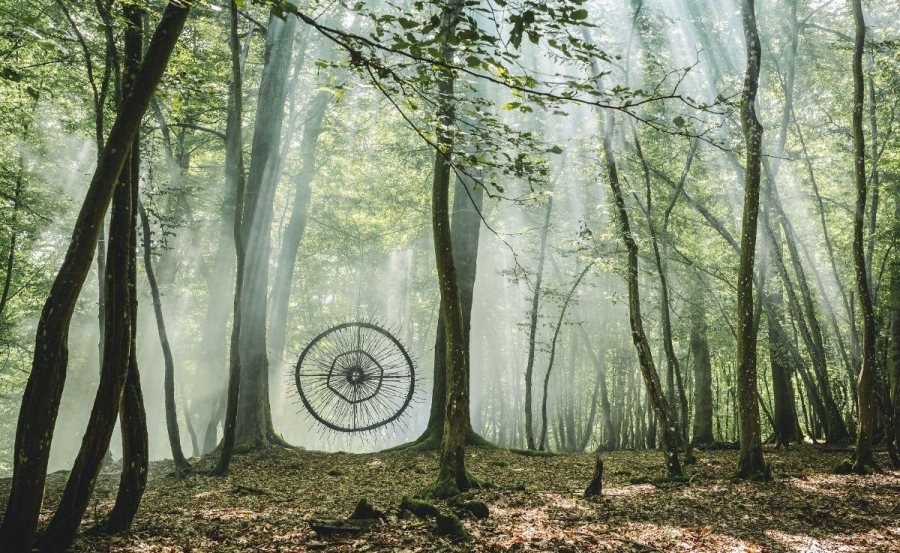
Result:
x=254 y=423
x=234 y=171
x=132 y=416
x=452 y=477
x=703 y=401
x=40 y=402
x=664 y=415
x=181 y=463
x=751 y=463
x=863 y=461
x=532 y=332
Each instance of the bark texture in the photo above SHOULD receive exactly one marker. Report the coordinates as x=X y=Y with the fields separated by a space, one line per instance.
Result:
x=865 y=429
x=254 y=423
x=40 y=402
x=751 y=463
x=234 y=170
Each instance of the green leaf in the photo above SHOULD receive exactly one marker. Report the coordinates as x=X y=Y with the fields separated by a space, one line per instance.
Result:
x=510 y=106
x=556 y=150
x=578 y=15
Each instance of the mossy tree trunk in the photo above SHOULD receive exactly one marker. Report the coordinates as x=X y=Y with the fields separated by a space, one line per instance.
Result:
x=655 y=395
x=452 y=476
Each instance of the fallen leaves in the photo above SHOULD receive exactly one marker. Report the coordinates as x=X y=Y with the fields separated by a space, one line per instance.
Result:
x=264 y=504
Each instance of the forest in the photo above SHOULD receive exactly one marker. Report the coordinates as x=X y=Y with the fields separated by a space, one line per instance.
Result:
x=449 y=275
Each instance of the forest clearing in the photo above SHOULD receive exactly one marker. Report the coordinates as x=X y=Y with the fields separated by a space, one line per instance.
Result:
x=427 y=275
x=535 y=504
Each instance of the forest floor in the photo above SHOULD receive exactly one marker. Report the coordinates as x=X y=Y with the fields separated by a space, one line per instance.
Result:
x=536 y=505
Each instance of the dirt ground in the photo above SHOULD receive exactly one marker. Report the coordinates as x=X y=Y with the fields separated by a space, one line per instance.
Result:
x=535 y=505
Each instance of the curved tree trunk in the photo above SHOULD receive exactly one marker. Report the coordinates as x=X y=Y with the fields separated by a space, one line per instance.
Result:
x=655 y=395
x=169 y=374
x=673 y=366
x=133 y=417
x=562 y=316
x=116 y=359
x=40 y=402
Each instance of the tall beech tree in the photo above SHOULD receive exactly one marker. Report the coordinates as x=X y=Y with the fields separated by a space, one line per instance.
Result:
x=254 y=423
x=452 y=477
x=234 y=178
x=863 y=460
x=751 y=463
x=40 y=402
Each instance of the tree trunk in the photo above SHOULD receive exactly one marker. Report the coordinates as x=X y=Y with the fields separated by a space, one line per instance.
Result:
x=785 y=413
x=181 y=463
x=894 y=319
x=13 y=235
x=654 y=390
x=703 y=407
x=532 y=333
x=213 y=342
x=862 y=457
x=293 y=235
x=254 y=424
x=612 y=442
x=673 y=366
x=40 y=402
x=751 y=463
x=116 y=358
x=132 y=417
x=562 y=316
x=234 y=171
x=452 y=476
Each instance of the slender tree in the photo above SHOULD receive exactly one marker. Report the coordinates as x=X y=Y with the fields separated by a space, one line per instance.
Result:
x=452 y=475
x=863 y=461
x=234 y=170
x=181 y=463
x=532 y=332
x=562 y=315
x=132 y=416
x=655 y=395
x=40 y=402
x=751 y=463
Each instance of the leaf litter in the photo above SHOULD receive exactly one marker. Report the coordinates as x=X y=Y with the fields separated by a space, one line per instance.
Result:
x=535 y=505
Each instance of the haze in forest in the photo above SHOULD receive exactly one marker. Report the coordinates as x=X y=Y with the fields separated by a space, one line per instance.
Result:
x=602 y=157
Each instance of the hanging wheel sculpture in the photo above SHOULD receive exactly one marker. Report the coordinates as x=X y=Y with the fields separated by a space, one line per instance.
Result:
x=355 y=377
